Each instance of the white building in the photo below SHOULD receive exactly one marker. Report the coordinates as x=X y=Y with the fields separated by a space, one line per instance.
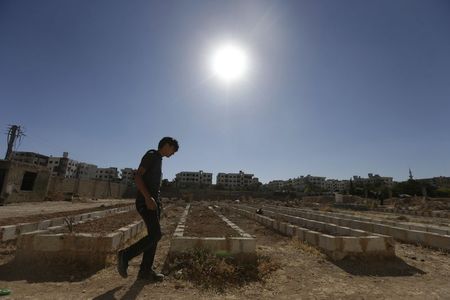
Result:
x=86 y=171
x=275 y=185
x=107 y=173
x=343 y=185
x=63 y=166
x=315 y=180
x=193 y=178
x=127 y=175
x=331 y=185
x=295 y=184
x=374 y=179
x=237 y=180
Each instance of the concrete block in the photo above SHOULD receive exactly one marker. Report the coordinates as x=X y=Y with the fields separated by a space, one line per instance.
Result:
x=76 y=218
x=85 y=216
x=49 y=243
x=126 y=233
x=398 y=233
x=373 y=244
x=381 y=229
x=84 y=242
x=343 y=230
x=26 y=227
x=242 y=245
x=351 y=244
x=116 y=240
x=438 y=241
x=44 y=224
x=58 y=222
x=8 y=233
x=327 y=242
x=366 y=226
x=133 y=229
x=300 y=234
x=415 y=236
x=312 y=237
x=437 y=230
x=289 y=230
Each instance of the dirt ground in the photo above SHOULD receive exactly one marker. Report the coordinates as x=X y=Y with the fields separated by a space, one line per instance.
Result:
x=203 y=222
x=16 y=210
x=403 y=218
x=47 y=216
x=107 y=224
x=304 y=273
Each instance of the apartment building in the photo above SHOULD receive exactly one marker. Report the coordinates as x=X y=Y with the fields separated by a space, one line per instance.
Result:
x=185 y=178
x=236 y=181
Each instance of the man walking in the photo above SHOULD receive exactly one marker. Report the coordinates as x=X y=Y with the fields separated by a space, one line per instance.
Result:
x=148 y=182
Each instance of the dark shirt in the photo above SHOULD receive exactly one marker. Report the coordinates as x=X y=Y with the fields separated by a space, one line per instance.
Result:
x=152 y=163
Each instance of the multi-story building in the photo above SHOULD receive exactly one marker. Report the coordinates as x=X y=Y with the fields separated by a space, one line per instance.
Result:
x=300 y=183
x=107 y=173
x=295 y=184
x=275 y=185
x=63 y=166
x=30 y=158
x=236 y=181
x=343 y=185
x=317 y=181
x=334 y=185
x=438 y=182
x=373 y=179
x=127 y=175
x=331 y=185
x=184 y=179
x=86 y=171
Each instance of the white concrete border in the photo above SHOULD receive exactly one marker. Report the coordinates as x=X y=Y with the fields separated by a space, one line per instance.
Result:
x=232 y=245
x=358 y=243
x=430 y=239
x=11 y=232
x=76 y=247
x=434 y=213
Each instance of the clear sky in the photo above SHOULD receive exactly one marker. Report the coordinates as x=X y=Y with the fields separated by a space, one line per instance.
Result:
x=334 y=88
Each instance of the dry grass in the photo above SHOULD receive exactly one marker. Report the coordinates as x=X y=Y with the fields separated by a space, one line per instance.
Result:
x=219 y=272
x=326 y=208
x=402 y=218
x=303 y=246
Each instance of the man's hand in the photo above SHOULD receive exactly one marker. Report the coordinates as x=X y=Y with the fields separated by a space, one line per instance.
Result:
x=150 y=203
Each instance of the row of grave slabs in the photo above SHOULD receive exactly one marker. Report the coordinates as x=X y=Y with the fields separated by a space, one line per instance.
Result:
x=204 y=227
x=92 y=239
x=437 y=237
x=89 y=239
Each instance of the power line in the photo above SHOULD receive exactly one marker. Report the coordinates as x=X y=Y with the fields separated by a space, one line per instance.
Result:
x=15 y=132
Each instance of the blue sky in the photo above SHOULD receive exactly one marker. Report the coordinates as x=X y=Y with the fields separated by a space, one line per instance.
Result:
x=335 y=88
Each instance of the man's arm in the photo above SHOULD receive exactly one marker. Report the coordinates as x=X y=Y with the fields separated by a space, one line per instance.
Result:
x=149 y=201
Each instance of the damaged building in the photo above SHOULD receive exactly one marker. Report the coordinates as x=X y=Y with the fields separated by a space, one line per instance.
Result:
x=20 y=182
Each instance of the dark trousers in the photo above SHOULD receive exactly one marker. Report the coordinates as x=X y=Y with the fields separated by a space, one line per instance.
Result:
x=147 y=244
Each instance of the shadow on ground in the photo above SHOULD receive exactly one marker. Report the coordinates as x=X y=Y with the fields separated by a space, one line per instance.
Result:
x=132 y=293
x=388 y=267
x=41 y=272
x=109 y=295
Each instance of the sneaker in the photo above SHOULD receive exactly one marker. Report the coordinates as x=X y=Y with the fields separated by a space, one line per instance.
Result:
x=150 y=275
x=122 y=264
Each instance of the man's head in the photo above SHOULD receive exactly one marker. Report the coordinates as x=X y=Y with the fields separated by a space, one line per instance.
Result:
x=167 y=146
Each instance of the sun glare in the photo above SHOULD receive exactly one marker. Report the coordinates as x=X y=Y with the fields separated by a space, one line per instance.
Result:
x=229 y=63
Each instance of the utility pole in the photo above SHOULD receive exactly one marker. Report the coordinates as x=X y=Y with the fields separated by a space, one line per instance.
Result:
x=14 y=132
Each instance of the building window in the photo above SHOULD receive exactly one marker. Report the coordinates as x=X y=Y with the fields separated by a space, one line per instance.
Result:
x=28 y=181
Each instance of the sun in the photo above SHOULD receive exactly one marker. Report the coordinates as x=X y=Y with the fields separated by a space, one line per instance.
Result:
x=229 y=62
